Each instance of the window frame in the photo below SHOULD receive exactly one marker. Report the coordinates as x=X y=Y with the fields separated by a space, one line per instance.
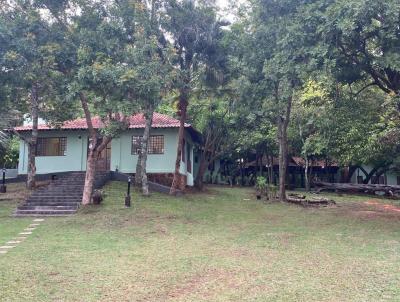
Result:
x=62 y=140
x=139 y=147
x=150 y=147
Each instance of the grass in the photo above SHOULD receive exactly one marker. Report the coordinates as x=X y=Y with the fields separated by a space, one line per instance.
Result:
x=219 y=246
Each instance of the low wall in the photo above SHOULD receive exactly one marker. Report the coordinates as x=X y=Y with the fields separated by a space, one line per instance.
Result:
x=153 y=186
x=11 y=173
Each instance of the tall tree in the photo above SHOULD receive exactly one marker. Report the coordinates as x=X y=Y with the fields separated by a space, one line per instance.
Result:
x=29 y=61
x=359 y=41
x=151 y=58
x=275 y=64
x=213 y=118
x=191 y=25
x=103 y=78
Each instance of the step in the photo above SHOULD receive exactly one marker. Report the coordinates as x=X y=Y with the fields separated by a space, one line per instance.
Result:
x=47 y=207
x=77 y=200
x=46 y=212
x=65 y=185
x=61 y=187
x=58 y=194
x=61 y=197
x=17 y=215
x=54 y=197
x=50 y=204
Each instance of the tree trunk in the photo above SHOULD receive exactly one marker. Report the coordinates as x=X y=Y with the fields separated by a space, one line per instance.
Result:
x=92 y=154
x=388 y=190
x=143 y=159
x=90 y=176
x=138 y=174
x=282 y=161
x=261 y=165
x=271 y=170
x=369 y=175
x=33 y=141
x=200 y=173
x=306 y=176
x=241 y=174
x=283 y=122
x=183 y=103
x=350 y=173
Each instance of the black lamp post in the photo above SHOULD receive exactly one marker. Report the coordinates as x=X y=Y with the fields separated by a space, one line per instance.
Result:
x=128 y=194
x=3 y=188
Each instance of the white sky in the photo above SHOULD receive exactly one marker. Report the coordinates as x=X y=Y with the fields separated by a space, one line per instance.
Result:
x=226 y=11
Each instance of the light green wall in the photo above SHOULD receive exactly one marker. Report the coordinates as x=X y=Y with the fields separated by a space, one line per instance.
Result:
x=183 y=169
x=121 y=157
x=74 y=160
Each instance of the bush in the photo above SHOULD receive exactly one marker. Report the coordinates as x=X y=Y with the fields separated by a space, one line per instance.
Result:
x=9 y=153
x=261 y=185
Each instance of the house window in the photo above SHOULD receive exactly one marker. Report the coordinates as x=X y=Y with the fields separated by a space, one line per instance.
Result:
x=398 y=180
x=360 y=179
x=155 y=144
x=51 y=146
x=136 y=144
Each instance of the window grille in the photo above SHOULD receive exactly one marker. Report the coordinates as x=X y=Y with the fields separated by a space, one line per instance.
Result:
x=51 y=146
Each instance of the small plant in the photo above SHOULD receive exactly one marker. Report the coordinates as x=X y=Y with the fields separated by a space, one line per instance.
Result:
x=271 y=191
x=261 y=186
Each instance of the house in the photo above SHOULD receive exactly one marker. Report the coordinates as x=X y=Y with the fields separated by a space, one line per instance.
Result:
x=65 y=148
x=389 y=177
x=319 y=169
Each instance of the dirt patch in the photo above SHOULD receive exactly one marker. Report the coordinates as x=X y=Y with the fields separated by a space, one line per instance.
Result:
x=383 y=207
x=371 y=209
x=207 y=283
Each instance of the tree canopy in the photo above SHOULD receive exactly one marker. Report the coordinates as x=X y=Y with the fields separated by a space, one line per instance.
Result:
x=315 y=79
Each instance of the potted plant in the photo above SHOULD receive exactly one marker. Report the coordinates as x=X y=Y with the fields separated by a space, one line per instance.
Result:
x=261 y=186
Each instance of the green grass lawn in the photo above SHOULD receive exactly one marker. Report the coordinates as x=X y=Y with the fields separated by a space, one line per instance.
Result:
x=222 y=245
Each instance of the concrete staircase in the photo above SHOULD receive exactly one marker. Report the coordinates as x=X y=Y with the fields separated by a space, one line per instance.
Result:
x=62 y=197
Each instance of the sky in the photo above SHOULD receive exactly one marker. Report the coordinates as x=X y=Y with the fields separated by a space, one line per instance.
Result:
x=224 y=4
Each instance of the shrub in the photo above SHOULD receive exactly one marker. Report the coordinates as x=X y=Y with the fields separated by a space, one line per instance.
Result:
x=261 y=184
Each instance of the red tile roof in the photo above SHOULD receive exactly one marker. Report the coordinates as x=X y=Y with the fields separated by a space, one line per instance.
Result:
x=135 y=121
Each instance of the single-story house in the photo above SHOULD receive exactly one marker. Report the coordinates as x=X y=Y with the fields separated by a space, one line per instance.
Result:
x=65 y=148
x=322 y=170
x=386 y=178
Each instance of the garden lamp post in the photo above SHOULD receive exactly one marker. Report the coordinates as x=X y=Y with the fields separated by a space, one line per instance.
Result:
x=128 y=194
x=3 y=188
